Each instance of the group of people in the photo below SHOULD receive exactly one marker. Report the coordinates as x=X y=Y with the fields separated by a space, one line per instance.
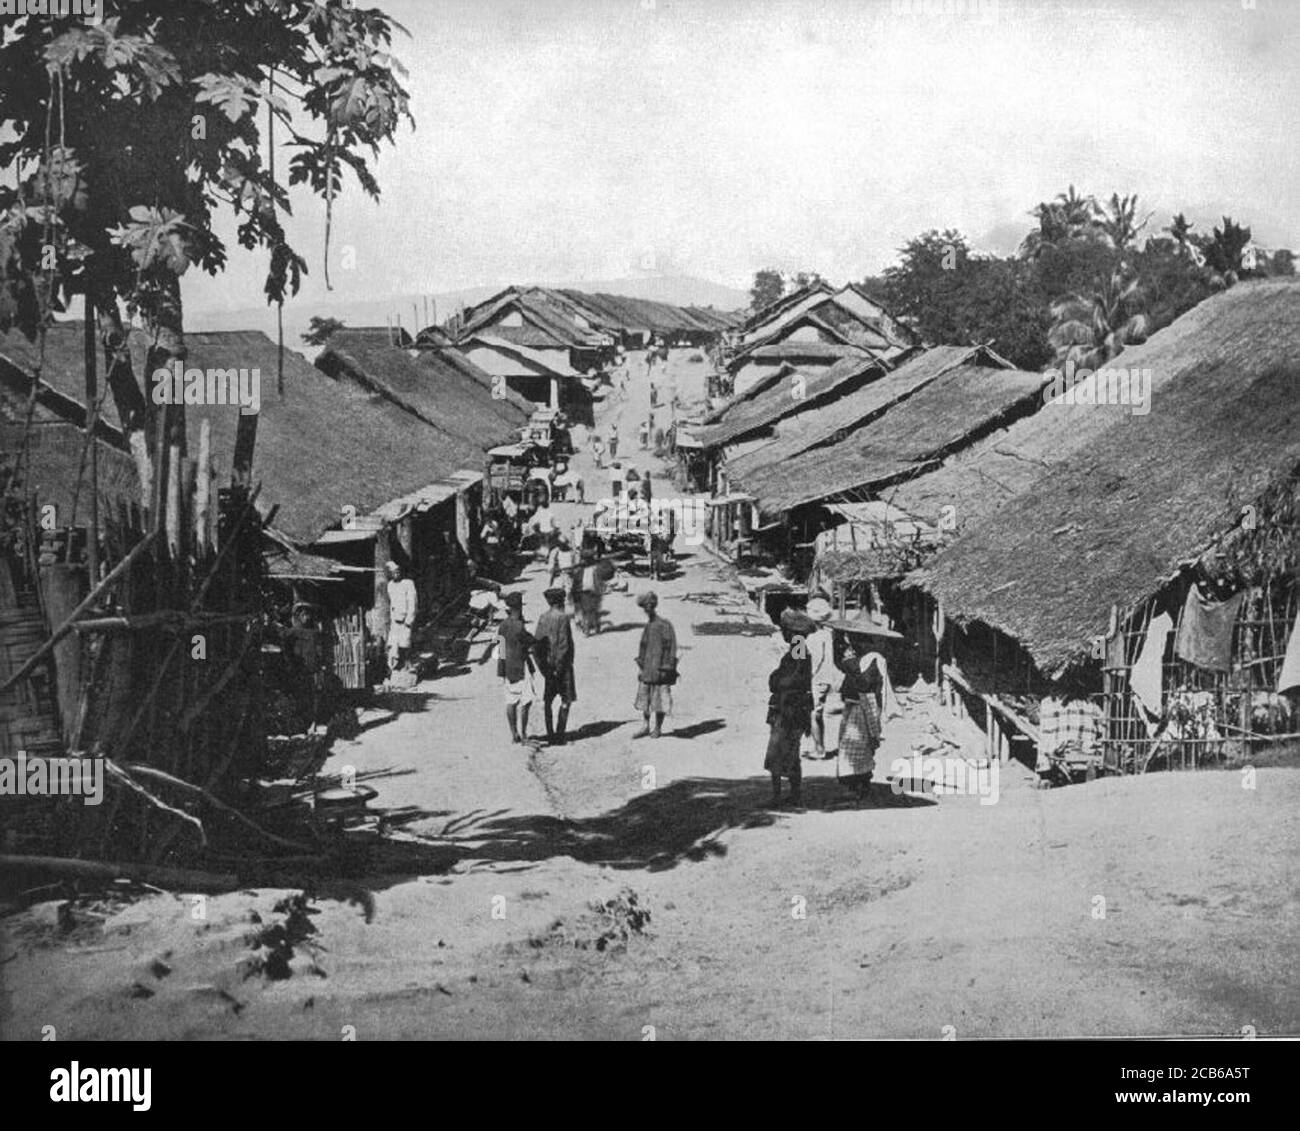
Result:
x=817 y=651
x=548 y=652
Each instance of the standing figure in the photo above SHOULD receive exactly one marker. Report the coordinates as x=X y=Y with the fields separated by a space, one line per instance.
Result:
x=555 y=658
x=598 y=449
x=401 y=616
x=557 y=559
x=490 y=537
x=656 y=667
x=643 y=434
x=822 y=656
x=789 y=705
x=613 y=441
x=589 y=597
x=515 y=667
x=864 y=690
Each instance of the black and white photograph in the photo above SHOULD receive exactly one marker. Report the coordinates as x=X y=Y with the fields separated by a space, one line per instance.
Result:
x=650 y=520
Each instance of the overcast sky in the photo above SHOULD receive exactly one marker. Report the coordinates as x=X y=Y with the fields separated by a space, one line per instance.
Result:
x=568 y=139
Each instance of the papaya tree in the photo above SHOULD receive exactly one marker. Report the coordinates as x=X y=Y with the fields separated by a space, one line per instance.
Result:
x=126 y=139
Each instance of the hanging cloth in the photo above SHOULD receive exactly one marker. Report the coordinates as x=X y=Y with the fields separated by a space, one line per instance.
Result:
x=1290 y=674
x=1205 y=632
x=890 y=708
x=1146 y=677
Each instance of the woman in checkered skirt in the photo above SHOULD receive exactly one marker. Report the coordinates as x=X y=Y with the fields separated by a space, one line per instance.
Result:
x=860 y=724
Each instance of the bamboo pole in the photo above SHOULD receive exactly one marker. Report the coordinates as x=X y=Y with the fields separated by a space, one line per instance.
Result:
x=92 y=421
x=199 y=791
x=178 y=878
x=172 y=509
x=203 y=487
x=67 y=626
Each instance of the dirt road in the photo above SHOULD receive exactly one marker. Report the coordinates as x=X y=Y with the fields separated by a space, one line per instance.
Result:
x=1158 y=905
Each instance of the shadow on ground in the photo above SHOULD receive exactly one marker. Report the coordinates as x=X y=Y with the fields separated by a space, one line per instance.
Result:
x=657 y=830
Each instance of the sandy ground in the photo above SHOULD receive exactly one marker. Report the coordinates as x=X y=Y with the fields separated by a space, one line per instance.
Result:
x=1160 y=905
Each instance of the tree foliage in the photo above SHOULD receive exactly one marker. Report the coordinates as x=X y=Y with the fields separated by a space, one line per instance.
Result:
x=1080 y=286
x=127 y=138
x=320 y=329
x=768 y=288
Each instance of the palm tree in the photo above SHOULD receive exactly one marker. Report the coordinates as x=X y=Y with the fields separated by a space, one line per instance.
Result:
x=1181 y=229
x=1068 y=217
x=1090 y=330
x=1118 y=220
x=1079 y=212
x=1223 y=252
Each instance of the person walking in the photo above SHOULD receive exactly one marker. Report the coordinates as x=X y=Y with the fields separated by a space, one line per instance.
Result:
x=656 y=667
x=515 y=667
x=401 y=616
x=555 y=659
x=598 y=449
x=789 y=706
x=557 y=559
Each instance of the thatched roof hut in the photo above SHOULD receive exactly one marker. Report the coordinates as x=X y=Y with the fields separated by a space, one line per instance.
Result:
x=1110 y=520
x=947 y=412
x=823 y=418
x=443 y=394
x=759 y=408
x=56 y=443
x=1251 y=323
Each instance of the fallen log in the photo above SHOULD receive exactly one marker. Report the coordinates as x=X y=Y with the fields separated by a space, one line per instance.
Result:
x=178 y=879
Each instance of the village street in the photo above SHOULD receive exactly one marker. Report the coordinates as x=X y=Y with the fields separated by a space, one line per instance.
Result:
x=1127 y=906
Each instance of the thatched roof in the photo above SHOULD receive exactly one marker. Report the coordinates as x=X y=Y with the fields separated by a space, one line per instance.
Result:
x=854 y=316
x=1234 y=325
x=354 y=337
x=325 y=444
x=53 y=469
x=526 y=360
x=774 y=310
x=548 y=320
x=757 y=411
x=945 y=414
x=801 y=351
x=442 y=362
x=440 y=394
x=822 y=419
x=1114 y=517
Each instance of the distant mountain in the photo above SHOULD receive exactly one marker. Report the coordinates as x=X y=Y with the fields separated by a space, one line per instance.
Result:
x=681 y=290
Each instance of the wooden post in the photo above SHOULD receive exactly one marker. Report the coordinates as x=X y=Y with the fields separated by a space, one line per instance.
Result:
x=92 y=422
x=379 y=612
x=67 y=625
x=172 y=510
x=64 y=586
x=203 y=488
